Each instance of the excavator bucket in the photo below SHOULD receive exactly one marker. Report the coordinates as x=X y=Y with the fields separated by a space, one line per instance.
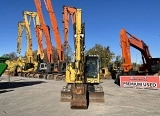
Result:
x=96 y=93
x=96 y=97
x=66 y=95
x=79 y=97
x=79 y=102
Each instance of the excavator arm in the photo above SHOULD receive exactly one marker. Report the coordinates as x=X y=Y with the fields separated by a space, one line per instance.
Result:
x=19 y=39
x=38 y=30
x=21 y=26
x=67 y=13
x=55 y=29
x=45 y=30
x=128 y=40
x=29 y=52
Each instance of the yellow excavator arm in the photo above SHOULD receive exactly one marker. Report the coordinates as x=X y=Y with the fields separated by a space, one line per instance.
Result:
x=19 y=39
x=34 y=16
x=29 y=52
x=21 y=25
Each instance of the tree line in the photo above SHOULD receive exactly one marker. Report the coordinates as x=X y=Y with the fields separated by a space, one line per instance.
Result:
x=106 y=55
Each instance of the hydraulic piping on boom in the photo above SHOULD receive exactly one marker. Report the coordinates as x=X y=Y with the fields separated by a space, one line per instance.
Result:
x=82 y=75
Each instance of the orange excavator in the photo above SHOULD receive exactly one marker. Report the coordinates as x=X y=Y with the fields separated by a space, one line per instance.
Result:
x=60 y=50
x=55 y=30
x=46 y=32
x=52 y=67
x=150 y=65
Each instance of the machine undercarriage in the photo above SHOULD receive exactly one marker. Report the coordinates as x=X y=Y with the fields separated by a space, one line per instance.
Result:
x=81 y=94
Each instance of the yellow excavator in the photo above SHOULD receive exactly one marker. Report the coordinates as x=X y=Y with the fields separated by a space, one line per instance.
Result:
x=82 y=75
x=30 y=65
x=21 y=66
x=15 y=66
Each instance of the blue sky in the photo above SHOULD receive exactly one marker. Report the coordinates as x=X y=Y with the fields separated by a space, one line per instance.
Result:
x=103 y=18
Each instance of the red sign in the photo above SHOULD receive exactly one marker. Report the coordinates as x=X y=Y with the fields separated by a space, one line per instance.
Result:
x=145 y=82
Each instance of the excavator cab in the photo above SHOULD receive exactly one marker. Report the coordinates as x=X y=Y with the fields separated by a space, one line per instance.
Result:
x=92 y=68
x=48 y=67
x=155 y=66
x=92 y=76
x=94 y=91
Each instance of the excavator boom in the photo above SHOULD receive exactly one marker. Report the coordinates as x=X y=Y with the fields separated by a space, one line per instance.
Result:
x=21 y=26
x=55 y=29
x=19 y=39
x=45 y=30
x=128 y=77
x=128 y=40
x=29 y=52
x=34 y=16
x=67 y=13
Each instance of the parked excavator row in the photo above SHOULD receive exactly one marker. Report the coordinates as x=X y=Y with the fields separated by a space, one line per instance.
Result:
x=150 y=65
x=82 y=75
x=32 y=68
x=52 y=68
x=22 y=66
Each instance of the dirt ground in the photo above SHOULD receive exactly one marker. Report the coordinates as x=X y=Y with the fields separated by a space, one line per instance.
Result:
x=39 y=97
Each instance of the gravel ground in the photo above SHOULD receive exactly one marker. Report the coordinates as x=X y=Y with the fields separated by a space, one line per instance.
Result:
x=39 y=97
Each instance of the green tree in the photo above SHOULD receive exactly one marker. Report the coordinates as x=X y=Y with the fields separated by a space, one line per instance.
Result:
x=11 y=55
x=104 y=52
